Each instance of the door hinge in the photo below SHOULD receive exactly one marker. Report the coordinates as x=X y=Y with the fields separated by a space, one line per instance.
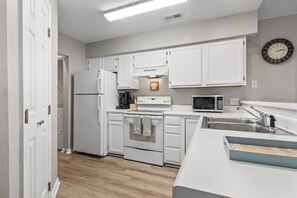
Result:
x=49 y=32
x=49 y=186
x=167 y=62
x=26 y=116
x=49 y=109
x=243 y=42
x=243 y=78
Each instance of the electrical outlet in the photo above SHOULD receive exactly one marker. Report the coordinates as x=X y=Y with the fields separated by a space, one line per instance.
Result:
x=234 y=101
x=254 y=84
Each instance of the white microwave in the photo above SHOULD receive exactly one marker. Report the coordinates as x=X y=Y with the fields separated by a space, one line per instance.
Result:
x=208 y=103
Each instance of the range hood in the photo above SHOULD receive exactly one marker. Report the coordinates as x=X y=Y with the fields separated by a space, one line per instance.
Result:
x=150 y=72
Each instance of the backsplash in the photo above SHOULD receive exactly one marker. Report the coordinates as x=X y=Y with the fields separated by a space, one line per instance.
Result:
x=184 y=96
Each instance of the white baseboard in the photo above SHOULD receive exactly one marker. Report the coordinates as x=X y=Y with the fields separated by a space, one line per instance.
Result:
x=55 y=188
x=68 y=151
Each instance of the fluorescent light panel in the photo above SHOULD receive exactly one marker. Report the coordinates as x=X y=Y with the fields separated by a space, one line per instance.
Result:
x=140 y=8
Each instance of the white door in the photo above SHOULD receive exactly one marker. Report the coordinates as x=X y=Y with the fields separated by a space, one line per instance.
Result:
x=110 y=63
x=224 y=62
x=115 y=137
x=191 y=125
x=36 y=71
x=185 y=68
x=125 y=72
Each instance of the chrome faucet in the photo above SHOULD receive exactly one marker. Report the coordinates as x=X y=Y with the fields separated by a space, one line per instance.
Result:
x=262 y=118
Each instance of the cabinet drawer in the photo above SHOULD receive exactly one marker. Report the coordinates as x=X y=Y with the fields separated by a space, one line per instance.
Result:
x=115 y=117
x=172 y=156
x=172 y=129
x=172 y=141
x=172 y=120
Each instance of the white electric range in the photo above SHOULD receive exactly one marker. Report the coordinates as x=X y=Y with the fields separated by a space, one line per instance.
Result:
x=146 y=148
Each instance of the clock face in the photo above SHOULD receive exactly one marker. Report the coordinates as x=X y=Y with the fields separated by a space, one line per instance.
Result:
x=277 y=51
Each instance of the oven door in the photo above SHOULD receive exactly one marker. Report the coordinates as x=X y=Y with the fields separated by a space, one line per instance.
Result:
x=204 y=103
x=153 y=142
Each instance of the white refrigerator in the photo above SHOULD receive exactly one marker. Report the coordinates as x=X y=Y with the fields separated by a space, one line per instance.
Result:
x=95 y=92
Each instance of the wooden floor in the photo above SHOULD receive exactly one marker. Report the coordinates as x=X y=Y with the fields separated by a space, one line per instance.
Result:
x=112 y=177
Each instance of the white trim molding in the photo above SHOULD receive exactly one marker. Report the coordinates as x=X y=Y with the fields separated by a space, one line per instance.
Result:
x=55 y=188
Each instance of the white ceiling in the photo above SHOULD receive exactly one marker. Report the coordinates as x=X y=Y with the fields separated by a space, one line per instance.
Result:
x=84 y=20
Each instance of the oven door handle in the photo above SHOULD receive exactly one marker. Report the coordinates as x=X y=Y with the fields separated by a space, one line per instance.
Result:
x=152 y=117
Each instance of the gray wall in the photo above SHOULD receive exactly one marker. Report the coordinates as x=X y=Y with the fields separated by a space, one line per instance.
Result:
x=275 y=83
x=4 y=138
x=179 y=35
x=75 y=52
x=60 y=83
x=14 y=96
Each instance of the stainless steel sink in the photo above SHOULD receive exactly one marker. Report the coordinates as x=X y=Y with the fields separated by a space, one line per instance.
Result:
x=237 y=124
x=238 y=127
x=232 y=120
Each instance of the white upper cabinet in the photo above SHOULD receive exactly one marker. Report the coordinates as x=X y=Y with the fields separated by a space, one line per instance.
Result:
x=125 y=78
x=110 y=63
x=185 y=67
x=94 y=63
x=150 y=59
x=224 y=63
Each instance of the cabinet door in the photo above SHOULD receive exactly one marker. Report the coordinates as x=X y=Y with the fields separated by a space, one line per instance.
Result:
x=150 y=59
x=94 y=63
x=141 y=60
x=110 y=63
x=115 y=137
x=191 y=125
x=158 y=58
x=125 y=78
x=185 y=67
x=224 y=62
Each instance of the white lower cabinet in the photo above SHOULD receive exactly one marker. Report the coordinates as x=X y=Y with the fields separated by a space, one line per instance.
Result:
x=178 y=131
x=115 y=133
x=174 y=144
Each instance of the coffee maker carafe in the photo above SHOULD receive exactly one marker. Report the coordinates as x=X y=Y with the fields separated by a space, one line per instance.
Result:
x=124 y=100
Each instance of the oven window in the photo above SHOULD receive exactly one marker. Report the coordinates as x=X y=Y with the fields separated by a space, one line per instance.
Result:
x=135 y=137
x=204 y=103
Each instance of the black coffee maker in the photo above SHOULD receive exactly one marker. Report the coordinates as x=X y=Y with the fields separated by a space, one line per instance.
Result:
x=124 y=100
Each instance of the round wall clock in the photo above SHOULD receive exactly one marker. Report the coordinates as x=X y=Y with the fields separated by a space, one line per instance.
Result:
x=277 y=51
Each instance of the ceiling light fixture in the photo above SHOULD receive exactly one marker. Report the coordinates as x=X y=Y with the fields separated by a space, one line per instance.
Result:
x=139 y=8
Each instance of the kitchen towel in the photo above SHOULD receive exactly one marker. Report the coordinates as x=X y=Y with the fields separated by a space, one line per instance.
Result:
x=147 y=126
x=136 y=125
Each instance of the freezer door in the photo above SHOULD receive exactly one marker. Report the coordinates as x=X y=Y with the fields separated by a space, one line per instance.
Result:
x=88 y=82
x=87 y=126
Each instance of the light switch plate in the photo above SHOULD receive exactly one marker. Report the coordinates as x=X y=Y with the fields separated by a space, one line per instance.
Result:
x=234 y=101
x=254 y=84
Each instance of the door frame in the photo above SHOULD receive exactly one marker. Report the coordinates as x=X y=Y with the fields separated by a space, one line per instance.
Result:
x=50 y=56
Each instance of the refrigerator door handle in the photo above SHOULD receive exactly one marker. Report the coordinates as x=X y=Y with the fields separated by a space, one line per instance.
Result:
x=98 y=106
x=99 y=84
